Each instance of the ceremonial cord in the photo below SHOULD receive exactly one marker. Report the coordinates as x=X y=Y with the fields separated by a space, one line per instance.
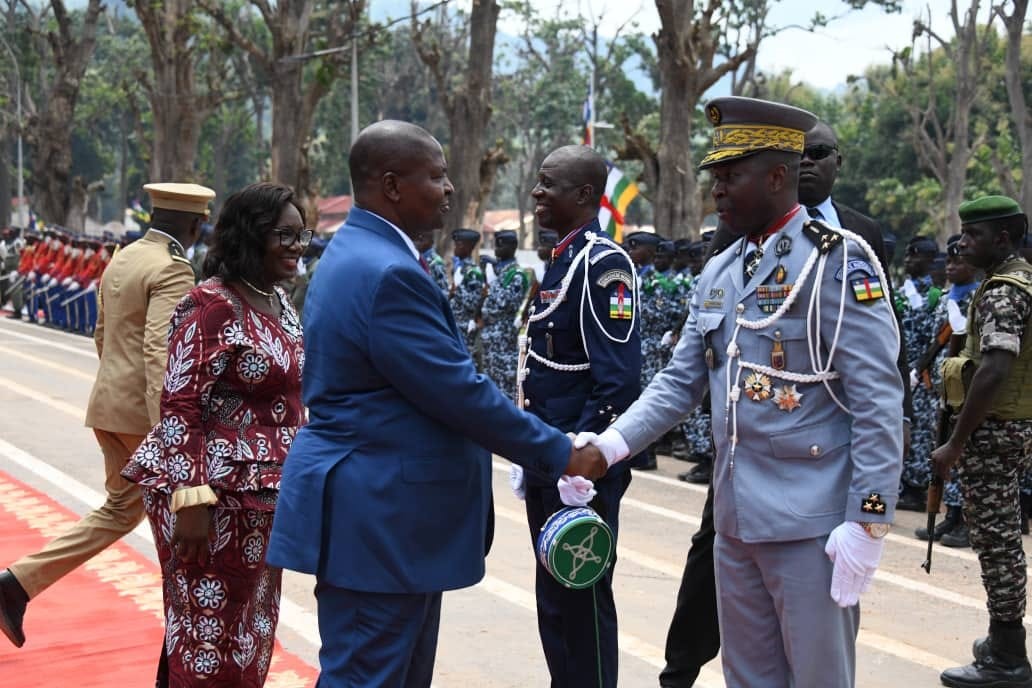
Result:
x=822 y=373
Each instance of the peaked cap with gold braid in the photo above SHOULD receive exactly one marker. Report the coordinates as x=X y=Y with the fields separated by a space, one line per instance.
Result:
x=743 y=126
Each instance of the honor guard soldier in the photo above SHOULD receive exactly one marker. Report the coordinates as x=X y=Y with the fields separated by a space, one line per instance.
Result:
x=991 y=441
x=22 y=284
x=790 y=328
x=580 y=368
x=139 y=291
x=432 y=261
x=502 y=314
x=467 y=292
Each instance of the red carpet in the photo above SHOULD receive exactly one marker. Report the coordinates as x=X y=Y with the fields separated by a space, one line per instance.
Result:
x=100 y=626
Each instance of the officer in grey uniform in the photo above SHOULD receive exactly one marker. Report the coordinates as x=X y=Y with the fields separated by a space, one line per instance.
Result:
x=791 y=329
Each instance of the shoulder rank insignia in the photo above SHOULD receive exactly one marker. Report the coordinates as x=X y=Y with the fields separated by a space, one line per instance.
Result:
x=824 y=237
x=873 y=504
x=176 y=251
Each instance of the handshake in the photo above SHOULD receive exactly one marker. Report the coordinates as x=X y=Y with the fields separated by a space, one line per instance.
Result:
x=591 y=456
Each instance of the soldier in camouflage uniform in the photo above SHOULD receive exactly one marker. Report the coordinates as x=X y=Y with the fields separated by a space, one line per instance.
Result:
x=697 y=428
x=434 y=263
x=991 y=441
x=917 y=300
x=467 y=291
x=501 y=314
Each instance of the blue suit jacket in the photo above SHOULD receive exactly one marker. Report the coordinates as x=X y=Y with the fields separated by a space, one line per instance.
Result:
x=388 y=488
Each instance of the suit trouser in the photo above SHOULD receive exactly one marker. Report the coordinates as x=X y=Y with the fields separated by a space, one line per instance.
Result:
x=779 y=627
x=121 y=512
x=694 y=635
x=376 y=640
x=578 y=627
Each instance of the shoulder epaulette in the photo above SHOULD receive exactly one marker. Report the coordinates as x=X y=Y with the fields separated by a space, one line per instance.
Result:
x=602 y=254
x=824 y=237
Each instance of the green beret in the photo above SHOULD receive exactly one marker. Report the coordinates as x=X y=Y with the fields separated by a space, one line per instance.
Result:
x=988 y=208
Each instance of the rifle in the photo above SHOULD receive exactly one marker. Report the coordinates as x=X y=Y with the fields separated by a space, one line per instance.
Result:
x=935 y=486
x=924 y=364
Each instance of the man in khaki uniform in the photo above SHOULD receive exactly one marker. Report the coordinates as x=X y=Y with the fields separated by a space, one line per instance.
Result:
x=138 y=292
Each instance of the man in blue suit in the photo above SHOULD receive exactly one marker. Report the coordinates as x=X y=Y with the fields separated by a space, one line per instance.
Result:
x=386 y=493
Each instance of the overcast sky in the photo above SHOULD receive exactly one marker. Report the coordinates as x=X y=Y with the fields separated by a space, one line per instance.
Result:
x=823 y=59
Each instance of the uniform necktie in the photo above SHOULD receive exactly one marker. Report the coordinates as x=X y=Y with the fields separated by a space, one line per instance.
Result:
x=815 y=213
x=426 y=266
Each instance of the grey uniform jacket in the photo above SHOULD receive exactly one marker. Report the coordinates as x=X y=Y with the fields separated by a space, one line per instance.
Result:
x=797 y=473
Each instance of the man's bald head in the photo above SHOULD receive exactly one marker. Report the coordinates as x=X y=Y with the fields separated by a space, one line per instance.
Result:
x=579 y=166
x=386 y=146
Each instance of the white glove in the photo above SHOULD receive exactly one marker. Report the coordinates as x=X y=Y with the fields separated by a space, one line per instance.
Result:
x=611 y=443
x=855 y=555
x=914 y=381
x=517 y=482
x=66 y=281
x=12 y=276
x=73 y=285
x=32 y=274
x=668 y=338
x=50 y=280
x=471 y=327
x=958 y=321
x=575 y=490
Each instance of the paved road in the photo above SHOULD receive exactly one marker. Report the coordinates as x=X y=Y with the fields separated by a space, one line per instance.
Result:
x=913 y=625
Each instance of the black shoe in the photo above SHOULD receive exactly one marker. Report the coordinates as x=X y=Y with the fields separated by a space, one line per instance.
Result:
x=912 y=499
x=14 y=316
x=649 y=463
x=952 y=520
x=12 y=607
x=700 y=475
x=958 y=537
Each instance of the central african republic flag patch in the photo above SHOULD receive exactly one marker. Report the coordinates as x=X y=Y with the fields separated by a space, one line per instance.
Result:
x=867 y=288
x=621 y=306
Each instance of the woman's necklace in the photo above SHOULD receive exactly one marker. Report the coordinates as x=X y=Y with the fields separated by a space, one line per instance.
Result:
x=267 y=294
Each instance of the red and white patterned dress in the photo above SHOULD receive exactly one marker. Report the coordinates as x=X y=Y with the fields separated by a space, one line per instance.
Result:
x=230 y=408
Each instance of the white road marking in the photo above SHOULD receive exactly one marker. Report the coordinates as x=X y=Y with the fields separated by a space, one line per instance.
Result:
x=89 y=352
x=46 y=399
x=63 y=369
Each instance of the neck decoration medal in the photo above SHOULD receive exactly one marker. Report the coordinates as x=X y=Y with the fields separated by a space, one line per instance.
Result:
x=757 y=387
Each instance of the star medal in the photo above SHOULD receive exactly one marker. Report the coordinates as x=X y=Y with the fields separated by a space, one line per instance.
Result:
x=787 y=398
x=780 y=274
x=783 y=246
x=757 y=387
x=777 y=356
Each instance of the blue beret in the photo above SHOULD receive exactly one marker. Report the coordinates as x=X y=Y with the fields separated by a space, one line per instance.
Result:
x=988 y=208
x=466 y=235
x=666 y=246
x=922 y=245
x=643 y=239
x=506 y=236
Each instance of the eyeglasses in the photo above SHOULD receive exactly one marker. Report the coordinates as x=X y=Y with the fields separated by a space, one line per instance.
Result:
x=818 y=152
x=287 y=237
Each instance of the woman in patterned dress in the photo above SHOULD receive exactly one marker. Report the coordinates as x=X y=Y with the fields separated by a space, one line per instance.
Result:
x=210 y=470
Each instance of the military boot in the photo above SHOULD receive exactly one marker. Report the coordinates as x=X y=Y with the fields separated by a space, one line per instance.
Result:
x=953 y=517
x=958 y=537
x=1003 y=662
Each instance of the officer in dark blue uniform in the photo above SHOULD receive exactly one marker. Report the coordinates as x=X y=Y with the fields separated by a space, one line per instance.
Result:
x=580 y=368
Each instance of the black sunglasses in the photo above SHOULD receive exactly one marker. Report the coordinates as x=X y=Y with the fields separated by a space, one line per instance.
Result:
x=287 y=237
x=818 y=152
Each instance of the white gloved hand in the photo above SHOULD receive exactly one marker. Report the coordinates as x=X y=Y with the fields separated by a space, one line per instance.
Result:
x=958 y=321
x=611 y=443
x=66 y=281
x=575 y=490
x=668 y=338
x=12 y=276
x=914 y=381
x=32 y=274
x=471 y=326
x=855 y=556
x=517 y=481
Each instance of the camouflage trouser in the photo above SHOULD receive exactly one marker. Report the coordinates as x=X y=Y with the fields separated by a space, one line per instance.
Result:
x=917 y=467
x=993 y=462
x=501 y=353
x=952 y=493
x=698 y=432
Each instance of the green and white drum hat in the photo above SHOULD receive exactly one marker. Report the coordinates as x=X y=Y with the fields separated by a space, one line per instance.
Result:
x=575 y=546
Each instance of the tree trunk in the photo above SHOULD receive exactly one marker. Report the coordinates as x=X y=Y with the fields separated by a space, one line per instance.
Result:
x=468 y=115
x=1020 y=113
x=5 y=184
x=675 y=201
x=51 y=124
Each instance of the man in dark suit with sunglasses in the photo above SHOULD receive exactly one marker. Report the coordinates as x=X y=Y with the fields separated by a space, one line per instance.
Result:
x=694 y=637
